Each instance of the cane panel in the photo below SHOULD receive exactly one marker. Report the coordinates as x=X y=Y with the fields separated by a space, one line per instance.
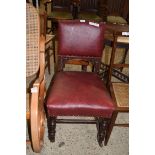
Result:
x=32 y=40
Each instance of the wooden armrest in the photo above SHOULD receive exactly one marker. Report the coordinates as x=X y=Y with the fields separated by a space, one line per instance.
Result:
x=38 y=81
x=42 y=44
x=42 y=61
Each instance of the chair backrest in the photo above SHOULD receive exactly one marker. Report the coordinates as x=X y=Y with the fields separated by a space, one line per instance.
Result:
x=113 y=67
x=77 y=39
x=61 y=4
x=114 y=8
x=118 y=7
x=32 y=40
x=89 y=5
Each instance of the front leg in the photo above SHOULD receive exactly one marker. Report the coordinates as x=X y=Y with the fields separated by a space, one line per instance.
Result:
x=51 y=128
x=102 y=125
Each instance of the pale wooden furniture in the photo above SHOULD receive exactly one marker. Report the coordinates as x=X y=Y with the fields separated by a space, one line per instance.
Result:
x=49 y=42
x=35 y=78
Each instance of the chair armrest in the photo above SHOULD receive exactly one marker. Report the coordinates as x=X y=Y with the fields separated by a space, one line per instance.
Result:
x=42 y=59
x=43 y=20
x=42 y=44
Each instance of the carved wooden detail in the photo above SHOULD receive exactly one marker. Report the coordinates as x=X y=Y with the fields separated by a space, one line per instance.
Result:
x=51 y=128
x=102 y=125
x=115 y=72
x=95 y=61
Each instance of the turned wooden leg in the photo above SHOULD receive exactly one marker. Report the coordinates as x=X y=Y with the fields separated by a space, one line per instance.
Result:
x=51 y=121
x=102 y=125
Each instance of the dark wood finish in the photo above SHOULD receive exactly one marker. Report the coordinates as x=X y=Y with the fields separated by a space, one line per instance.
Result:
x=93 y=60
x=112 y=65
x=109 y=84
x=59 y=5
x=88 y=6
x=109 y=41
x=76 y=121
x=51 y=128
x=114 y=8
x=116 y=28
x=102 y=125
x=118 y=7
x=112 y=59
x=119 y=75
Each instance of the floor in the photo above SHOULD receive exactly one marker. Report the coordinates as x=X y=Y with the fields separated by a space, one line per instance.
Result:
x=81 y=139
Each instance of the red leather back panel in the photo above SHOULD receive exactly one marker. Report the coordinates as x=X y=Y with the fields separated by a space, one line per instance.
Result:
x=80 y=38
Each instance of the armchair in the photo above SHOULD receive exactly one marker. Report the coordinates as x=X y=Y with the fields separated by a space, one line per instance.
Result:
x=35 y=79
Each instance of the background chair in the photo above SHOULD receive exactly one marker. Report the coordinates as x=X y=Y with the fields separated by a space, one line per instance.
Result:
x=89 y=10
x=35 y=79
x=120 y=46
x=119 y=90
x=49 y=42
x=73 y=93
x=60 y=10
x=117 y=12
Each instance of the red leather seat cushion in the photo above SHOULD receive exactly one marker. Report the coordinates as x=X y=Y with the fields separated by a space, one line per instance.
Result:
x=79 y=94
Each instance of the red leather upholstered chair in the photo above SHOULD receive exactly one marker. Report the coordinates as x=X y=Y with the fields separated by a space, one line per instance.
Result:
x=74 y=93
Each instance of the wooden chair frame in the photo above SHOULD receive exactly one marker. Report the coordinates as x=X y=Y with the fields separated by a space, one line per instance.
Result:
x=53 y=20
x=115 y=8
x=49 y=40
x=110 y=86
x=109 y=41
x=35 y=116
x=96 y=10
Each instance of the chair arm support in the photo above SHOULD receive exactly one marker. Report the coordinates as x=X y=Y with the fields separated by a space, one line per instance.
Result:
x=42 y=58
x=42 y=44
x=43 y=19
x=39 y=80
